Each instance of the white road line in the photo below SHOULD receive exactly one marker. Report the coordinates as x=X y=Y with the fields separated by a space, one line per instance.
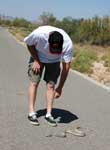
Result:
x=91 y=80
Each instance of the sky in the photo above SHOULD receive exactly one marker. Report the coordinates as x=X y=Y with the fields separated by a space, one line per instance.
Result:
x=32 y=9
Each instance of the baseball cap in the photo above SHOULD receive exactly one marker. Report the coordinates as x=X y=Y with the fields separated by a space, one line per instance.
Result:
x=55 y=42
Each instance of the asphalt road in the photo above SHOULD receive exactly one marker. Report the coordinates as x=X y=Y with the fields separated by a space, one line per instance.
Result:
x=82 y=103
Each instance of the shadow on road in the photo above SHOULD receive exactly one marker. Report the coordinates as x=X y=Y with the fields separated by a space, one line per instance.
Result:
x=63 y=115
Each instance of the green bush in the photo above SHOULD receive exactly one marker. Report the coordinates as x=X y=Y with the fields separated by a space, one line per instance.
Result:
x=83 y=60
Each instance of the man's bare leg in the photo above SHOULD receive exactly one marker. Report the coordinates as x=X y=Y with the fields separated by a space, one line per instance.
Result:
x=49 y=97
x=49 y=103
x=32 y=91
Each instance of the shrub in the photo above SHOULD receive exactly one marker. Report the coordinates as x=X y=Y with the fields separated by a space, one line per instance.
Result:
x=83 y=60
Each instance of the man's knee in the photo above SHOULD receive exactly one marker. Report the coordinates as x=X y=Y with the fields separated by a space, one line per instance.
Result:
x=33 y=84
x=50 y=85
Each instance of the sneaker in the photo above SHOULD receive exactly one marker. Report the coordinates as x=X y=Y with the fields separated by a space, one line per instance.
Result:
x=33 y=119
x=51 y=121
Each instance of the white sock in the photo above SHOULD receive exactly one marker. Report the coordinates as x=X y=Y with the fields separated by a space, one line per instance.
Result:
x=48 y=115
x=32 y=113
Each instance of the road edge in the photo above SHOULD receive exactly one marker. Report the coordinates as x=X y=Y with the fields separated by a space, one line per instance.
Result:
x=91 y=80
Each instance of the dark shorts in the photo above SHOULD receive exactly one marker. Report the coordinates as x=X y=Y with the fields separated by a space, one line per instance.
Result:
x=51 y=72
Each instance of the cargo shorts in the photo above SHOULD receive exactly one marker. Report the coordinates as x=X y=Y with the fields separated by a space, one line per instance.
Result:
x=51 y=73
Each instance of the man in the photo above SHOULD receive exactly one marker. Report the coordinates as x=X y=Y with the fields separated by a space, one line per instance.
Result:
x=49 y=46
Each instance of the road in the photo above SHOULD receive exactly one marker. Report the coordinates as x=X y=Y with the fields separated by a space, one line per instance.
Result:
x=82 y=103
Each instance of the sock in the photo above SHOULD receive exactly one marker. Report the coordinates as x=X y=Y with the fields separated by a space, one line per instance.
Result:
x=32 y=113
x=48 y=115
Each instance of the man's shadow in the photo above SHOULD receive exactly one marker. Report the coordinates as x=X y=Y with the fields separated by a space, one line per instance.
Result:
x=64 y=115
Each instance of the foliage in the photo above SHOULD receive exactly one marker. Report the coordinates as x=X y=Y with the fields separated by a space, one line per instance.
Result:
x=20 y=22
x=47 y=18
x=83 y=60
x=93 y=31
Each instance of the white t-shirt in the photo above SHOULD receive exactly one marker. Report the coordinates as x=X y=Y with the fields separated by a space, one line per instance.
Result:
x=39 y=38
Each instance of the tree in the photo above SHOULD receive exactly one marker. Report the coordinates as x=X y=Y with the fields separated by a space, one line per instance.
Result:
x=20 y=22
x=47 y=18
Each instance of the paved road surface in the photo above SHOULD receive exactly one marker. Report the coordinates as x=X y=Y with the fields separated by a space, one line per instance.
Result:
x=82 y=103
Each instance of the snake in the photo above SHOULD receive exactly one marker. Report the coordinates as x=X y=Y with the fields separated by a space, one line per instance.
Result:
x=76 y=131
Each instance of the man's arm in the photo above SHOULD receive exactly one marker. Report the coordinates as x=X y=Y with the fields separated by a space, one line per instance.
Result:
x=33 y=52
x=63 y=77
x=36 y=64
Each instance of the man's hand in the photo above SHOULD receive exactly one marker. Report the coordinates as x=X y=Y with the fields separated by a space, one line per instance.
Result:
x=64 y=74
x=36 y=67
x=58 y=92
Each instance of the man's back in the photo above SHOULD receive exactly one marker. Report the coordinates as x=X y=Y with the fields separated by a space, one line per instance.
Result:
x=39 y=38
